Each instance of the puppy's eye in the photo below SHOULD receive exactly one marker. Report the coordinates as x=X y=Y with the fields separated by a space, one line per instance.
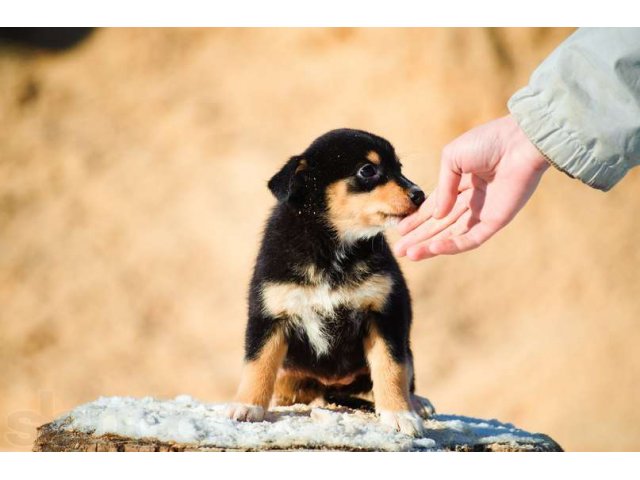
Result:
x=367 y=171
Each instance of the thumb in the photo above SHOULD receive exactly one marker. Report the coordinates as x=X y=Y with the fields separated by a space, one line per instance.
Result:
x=448 y=183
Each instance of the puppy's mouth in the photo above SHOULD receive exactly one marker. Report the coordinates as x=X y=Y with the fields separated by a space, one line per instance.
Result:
x=392 y=219
x=395 y=215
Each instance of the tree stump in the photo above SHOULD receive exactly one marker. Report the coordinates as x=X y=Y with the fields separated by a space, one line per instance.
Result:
x=123 y=424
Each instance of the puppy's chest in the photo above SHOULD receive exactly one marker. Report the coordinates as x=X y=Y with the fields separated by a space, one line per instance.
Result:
x=320 y=309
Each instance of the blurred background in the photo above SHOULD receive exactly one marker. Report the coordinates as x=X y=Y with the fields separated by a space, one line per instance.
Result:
x=133 y=171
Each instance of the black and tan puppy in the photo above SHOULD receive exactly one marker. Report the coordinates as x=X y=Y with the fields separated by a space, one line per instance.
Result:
x=329 y=310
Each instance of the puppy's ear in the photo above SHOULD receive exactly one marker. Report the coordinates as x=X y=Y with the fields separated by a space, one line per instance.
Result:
x=289 y=183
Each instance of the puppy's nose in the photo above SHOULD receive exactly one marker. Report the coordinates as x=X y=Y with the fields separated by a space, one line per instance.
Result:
x=416 y=195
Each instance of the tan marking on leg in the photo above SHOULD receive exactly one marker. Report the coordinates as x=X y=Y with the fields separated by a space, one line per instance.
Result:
x=259 y=375
x=390 y=378
x=373 y=157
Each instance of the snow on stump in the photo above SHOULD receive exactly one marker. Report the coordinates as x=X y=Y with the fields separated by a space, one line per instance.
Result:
x=125 y=424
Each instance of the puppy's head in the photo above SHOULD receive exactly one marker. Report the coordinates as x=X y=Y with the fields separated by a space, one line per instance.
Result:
x=352 y=178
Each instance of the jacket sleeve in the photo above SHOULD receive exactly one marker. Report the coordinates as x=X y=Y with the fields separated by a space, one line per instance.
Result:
x=582 y=105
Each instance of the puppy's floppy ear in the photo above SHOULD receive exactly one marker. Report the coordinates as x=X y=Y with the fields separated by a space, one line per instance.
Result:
x=289 y=183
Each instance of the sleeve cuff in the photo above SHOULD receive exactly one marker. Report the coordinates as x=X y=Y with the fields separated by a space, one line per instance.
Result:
x=559 y=144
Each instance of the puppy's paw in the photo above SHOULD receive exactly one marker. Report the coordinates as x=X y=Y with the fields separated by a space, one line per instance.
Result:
x=422 y=406
x=407 y=422
x=243 y=412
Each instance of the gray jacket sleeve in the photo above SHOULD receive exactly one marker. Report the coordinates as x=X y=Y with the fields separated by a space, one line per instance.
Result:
x=582 y=105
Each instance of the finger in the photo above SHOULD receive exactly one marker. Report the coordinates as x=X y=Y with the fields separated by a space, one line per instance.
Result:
x=427 y=208
x=425 y=249
x=433 y=227
x=453 y=244
x=460 y=243
x=418 y=217
x=461 y=226
x=448 y=182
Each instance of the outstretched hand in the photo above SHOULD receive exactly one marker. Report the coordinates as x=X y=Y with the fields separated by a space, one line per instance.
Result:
x=486 y=177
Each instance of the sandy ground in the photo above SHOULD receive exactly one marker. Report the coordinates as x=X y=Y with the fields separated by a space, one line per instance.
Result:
x=132 y=196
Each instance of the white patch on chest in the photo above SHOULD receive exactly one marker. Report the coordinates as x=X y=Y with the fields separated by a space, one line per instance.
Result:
x=309 y=306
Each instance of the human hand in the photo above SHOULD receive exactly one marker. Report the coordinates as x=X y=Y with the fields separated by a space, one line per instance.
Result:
x=486 y=177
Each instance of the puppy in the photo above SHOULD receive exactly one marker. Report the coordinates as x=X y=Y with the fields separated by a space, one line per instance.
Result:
x=329 y=309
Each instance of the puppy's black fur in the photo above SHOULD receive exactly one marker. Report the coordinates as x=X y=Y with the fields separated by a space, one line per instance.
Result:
x=325 y=277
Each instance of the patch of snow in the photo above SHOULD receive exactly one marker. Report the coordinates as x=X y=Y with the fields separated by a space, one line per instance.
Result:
x=186 y=420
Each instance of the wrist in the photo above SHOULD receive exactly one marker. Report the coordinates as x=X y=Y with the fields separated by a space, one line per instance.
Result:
x=524 y=148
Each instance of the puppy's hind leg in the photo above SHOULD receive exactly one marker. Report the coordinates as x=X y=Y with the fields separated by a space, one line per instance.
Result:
x=291 y=389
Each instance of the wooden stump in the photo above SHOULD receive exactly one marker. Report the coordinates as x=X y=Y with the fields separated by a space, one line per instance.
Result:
x=147 y=425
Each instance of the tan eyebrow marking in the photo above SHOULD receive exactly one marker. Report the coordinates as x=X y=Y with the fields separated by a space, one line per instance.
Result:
x=302 y=165
x=373 y=157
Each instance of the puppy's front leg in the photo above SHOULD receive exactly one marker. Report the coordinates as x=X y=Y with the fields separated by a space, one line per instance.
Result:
x=390 y=378
x=258 y=377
